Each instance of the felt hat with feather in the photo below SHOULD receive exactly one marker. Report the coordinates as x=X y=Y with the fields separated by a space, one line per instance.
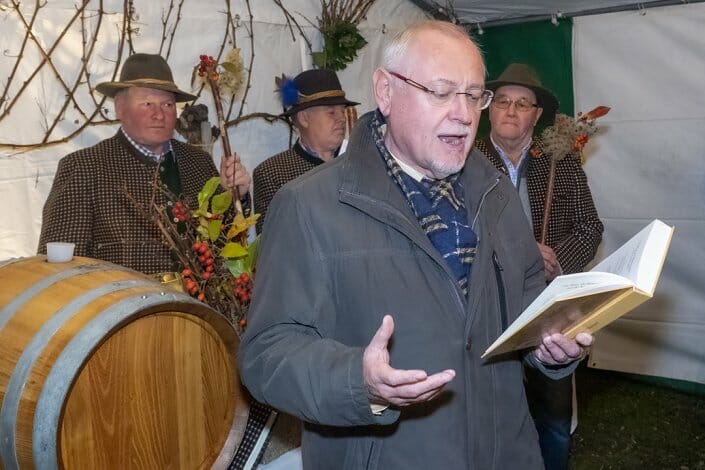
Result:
x=316 y=87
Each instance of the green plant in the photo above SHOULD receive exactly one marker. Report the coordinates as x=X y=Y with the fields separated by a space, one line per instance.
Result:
x=342 y=42
x=216 y=264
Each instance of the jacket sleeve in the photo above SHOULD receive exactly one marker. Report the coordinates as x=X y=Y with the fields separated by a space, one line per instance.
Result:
x=264 y=189
x=288 y=358
x=68 y=215
x=579 y=245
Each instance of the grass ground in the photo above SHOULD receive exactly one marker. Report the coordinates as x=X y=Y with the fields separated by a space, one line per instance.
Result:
x=626 y=423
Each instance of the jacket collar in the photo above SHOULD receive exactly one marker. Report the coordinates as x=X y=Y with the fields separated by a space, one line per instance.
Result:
x=365 y=184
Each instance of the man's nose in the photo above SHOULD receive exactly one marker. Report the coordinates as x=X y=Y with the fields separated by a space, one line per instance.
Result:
x=158 y=113
x=462 y=110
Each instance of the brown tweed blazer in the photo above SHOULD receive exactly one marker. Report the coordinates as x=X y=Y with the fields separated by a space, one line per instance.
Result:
x=88 y=203
x=275 y=172
x=574 y=228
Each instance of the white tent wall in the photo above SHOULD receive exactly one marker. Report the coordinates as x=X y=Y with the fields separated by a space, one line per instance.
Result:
x=26 y=175
x=648 y=163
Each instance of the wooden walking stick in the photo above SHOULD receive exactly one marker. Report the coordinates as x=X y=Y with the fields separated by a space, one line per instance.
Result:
x=549 y=200
x=207 y=68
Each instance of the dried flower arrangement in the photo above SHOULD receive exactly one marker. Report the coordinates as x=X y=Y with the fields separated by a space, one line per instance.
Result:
x=567 y=136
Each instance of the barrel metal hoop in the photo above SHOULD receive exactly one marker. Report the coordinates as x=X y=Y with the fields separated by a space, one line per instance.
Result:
x=32 y=352
x=13 y=306
x=70 y=361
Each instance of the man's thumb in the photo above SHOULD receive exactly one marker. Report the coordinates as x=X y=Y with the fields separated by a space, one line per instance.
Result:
x=384 y=332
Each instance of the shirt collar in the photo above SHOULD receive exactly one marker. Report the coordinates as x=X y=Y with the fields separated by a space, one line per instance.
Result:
x=415 y=174
x=505 y=158
x=312 y=152
x=144 y=150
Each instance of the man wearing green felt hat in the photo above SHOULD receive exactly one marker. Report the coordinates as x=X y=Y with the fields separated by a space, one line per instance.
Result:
x=99 y=193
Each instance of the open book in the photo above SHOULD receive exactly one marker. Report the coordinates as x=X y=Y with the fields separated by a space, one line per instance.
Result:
x=586 y=302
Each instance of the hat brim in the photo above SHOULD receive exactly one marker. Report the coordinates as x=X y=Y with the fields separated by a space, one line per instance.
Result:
x=329 y=101
x=544 y=98
x=111 y=89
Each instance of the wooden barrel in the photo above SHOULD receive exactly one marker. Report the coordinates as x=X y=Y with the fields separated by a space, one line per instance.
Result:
x=101 y=367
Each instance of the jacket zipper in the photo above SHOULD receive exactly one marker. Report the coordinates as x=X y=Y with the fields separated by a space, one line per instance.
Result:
x=498 y=270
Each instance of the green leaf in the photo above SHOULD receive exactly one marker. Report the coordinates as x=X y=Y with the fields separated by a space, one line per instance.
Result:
x=203 y=231
x=214 y=229
x=220 y=203
x=207 y=192
x=236 y=266
x=253 y=251
x=233 y=250
x=319 y=59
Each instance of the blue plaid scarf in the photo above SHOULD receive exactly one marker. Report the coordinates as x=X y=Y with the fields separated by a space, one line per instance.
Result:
x=439 y=208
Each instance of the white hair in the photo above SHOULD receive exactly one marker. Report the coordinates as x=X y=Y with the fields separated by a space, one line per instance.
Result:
x=395 y=50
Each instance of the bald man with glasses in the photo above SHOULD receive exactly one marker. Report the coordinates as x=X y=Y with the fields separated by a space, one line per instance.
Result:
x=385 y=273
x=574 y=229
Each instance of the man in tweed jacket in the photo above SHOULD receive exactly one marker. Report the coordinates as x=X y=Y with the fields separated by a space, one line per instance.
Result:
x=574 y=229
x=99 y=193
x=318 y=114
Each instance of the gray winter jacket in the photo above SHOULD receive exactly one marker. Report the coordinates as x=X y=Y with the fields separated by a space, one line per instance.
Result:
x=340 y=249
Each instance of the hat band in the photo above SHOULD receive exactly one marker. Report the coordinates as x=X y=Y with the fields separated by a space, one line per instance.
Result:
x=319 y=95
x=149 y=81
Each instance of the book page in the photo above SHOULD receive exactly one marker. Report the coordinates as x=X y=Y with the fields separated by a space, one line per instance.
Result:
x=589 y=301
x=568 y=286
x=556 y=318
x=641 y=258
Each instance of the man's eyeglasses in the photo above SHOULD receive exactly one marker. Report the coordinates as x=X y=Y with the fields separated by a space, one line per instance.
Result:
x=522 y=105
x=442 y=95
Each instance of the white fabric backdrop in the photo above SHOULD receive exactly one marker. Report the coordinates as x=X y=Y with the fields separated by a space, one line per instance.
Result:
x=26 y=177
x=648 y=163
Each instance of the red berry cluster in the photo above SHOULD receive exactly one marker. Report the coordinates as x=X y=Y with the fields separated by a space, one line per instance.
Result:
x=192 y=280
x=243 y=288
x=191 y=285
x=180 y=211
x=207 y=65
x=205 y=258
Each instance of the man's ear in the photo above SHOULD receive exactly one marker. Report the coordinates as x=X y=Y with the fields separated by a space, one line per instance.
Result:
x=302 y=119
x=538 y=115
x=382 y=89
x=119 y=104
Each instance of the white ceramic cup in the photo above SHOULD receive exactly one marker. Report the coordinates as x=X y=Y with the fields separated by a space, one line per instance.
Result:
x=60 y=252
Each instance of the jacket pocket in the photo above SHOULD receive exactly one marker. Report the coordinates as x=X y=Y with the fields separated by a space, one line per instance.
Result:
x=501 y=292
x=363 y=454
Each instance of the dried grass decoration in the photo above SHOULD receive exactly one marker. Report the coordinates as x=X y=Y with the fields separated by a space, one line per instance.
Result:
x=567 y=136
x=338 y=25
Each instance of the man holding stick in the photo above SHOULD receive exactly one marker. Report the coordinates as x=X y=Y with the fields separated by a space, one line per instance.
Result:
x=93 y=196
x=574 y=229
